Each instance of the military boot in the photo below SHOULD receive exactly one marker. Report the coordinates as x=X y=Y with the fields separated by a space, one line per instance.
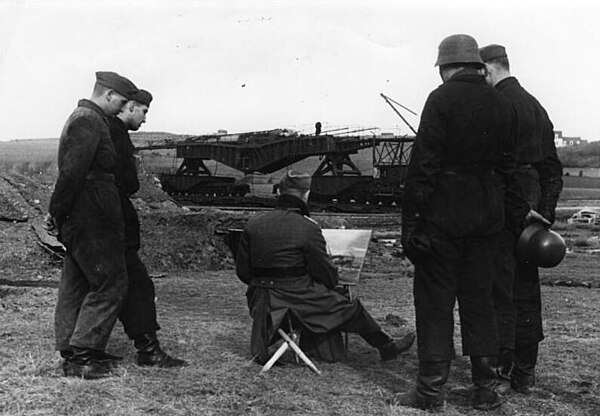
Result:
x=99 y=355
x=485 y=379
x=503 y=368
x=83 y=363
x=396 y=347
x=522 y=377
x=429 y=393
x=389 y=348
x=150 y=354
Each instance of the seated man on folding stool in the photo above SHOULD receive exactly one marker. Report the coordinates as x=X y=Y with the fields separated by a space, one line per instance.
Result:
x=283 y=259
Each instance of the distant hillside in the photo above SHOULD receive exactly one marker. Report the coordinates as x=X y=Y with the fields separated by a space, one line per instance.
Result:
x=30 y=150
x=584 y=156
x=587 y=155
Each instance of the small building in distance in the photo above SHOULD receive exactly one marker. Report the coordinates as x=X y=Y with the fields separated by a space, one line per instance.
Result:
x=560 y=141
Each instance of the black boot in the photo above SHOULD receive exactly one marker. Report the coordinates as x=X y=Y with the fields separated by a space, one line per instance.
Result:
x=388 y=347
x=396 y=347
x=503 y=368
x=98 y=355
x=522 y=377
x=83 y=363
x=429 y=392
x=484 y=376
x=150 y=353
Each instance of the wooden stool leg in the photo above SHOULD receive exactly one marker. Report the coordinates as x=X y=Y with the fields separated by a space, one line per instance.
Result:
x=275 y=357
x=298 y=351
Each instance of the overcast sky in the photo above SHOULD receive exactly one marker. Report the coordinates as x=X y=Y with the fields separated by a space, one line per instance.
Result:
x=257 y=65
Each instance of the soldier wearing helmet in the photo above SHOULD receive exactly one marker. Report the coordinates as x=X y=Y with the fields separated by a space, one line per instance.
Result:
x=539 y=176
x=452 y=215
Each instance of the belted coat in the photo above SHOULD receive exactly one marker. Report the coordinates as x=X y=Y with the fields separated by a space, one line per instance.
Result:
x=283 y=259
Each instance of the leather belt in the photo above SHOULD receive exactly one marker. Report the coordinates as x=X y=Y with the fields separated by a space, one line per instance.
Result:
x=278 y=272
x=272 y=283
x=469 y=169
x=96 y=175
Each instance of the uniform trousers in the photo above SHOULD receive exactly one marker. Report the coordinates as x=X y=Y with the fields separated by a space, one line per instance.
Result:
x=139 y=309
x=93 y=282
x=455 y=268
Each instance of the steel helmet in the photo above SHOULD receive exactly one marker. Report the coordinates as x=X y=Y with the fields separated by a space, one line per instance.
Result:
x=540 y=246
x=458 y=49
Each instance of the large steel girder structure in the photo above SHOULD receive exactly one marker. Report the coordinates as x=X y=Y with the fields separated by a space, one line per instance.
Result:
x=277 y=153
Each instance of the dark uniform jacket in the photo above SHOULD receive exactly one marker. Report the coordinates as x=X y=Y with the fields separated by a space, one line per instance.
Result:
x=87 y=209
x=460 y=165
x=283 y=258
x=85 y=146
x=539 y=171
x=126 y=179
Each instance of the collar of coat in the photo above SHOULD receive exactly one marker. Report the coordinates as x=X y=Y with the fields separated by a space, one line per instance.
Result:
x=507 y=82
x=293 y=203
x=118 y=123
x=93 y=106
x=468 y=75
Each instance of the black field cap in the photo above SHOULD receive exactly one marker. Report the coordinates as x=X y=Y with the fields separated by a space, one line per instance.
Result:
x=295 y=179
x=490 y=52
x=116 y=82
x=142 y=97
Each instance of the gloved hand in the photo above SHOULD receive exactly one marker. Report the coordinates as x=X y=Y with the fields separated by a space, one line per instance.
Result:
x=50 y=225
x=409 y=226
x=416 y=244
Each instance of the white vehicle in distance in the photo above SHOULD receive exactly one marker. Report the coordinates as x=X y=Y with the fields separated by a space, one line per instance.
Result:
x=585 y=216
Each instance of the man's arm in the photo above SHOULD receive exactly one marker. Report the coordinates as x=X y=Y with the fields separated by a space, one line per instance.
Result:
x=516 y=207
x=131 y=183
x=243 y=266
x=76 y=154
x=319 y=264
x=424 y=165
x=550 y=172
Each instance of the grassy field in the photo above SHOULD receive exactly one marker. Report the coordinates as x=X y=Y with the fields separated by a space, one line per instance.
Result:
x=205 y=321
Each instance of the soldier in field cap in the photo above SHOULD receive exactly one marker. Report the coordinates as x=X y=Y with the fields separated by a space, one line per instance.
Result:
x=139 y=309
x=295 y=179
x=283 y=259
x=117 y=83
x=85 y=212
x=539 y=175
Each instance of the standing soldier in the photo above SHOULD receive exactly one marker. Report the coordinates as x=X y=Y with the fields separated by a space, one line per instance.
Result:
x=85 y=211
x=139 y=309
x=452 y=214
x=539 y=177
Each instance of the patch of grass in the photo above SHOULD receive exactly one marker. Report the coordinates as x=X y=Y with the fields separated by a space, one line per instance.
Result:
x=583 y=242
x=205 y=320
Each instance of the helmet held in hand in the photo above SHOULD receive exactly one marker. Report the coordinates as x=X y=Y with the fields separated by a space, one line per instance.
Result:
x=540 y=246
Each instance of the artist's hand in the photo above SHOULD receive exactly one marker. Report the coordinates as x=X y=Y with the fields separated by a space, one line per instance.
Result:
x=534 y=216
x=50 y=225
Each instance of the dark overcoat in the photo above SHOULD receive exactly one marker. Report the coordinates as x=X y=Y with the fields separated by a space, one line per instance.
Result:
x=457 y=176
x=539 y=179
x=139 y=309
x=460 y=177
x=87 y=209
x=539 y=171
x=283 y=259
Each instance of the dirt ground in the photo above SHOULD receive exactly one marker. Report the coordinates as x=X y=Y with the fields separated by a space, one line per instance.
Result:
x=204 y=320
